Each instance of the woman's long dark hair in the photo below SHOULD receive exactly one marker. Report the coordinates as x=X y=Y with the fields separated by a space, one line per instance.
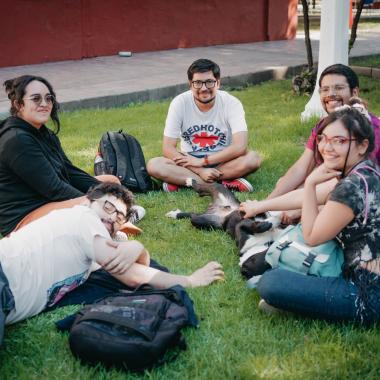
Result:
x=358 y=127
x=16 y=88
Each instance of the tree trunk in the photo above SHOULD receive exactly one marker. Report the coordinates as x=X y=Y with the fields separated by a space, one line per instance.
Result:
x=359 y=8
x=306 y=26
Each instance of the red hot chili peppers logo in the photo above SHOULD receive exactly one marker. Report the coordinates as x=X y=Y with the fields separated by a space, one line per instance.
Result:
x=204 y=137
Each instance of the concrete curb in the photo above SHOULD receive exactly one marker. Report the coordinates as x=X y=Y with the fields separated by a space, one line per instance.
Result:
x=162 y=93
x=371 y=72
x=121 y=100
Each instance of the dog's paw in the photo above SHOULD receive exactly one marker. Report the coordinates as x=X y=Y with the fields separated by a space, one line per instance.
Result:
x=173 y=214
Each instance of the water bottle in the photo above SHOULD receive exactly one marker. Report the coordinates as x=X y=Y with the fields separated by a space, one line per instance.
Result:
x=99 y=165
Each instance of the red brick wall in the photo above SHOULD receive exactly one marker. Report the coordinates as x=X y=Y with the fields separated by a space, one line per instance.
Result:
x=35 y=31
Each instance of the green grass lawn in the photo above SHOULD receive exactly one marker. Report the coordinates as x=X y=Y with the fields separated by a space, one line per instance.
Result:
x=370 y=61
x=234 y=341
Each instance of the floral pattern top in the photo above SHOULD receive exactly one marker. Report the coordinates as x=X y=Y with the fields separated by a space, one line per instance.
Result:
x=361 y=237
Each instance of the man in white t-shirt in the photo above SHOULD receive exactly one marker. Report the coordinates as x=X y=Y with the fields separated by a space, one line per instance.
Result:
x=211 y=126
x=53 y=255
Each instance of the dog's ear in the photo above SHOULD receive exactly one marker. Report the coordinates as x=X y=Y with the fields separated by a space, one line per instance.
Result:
x=260 y=227
x=243 y=230
x=254 y=227
x=261 y=216
x=231 y=222
x=254 y=265
x=248 y=227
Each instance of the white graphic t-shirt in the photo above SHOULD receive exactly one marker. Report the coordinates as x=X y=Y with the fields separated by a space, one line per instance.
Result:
x=204 y=132
x=49 y=257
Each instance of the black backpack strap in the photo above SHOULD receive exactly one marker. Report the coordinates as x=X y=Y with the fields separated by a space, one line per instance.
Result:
x=308 y=262
x=115 y=319
x=121 y=162
x=138 y=163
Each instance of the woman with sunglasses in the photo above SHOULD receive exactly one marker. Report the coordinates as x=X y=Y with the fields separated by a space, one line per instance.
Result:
x=351 y=212
x=35 y=174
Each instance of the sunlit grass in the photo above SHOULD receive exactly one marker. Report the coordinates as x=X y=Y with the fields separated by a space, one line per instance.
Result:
x=235 y=341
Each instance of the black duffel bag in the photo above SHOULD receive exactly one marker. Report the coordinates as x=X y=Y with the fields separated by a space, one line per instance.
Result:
x=132 y=330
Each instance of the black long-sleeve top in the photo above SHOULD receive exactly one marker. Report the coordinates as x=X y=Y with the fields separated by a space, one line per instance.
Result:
x=34 y=170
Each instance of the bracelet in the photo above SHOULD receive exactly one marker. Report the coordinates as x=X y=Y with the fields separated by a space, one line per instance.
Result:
x=206 y=162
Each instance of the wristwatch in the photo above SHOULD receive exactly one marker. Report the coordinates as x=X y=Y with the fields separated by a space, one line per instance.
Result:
x=205 y=159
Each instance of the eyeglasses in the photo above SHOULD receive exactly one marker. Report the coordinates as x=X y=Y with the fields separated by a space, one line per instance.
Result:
x=198 y=84
x=37 y=99
x=337 y=89
x=335 y=141
x=110 y=208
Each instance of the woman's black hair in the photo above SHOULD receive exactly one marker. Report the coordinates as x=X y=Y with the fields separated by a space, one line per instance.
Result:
x=358 y=127
x=16 y=88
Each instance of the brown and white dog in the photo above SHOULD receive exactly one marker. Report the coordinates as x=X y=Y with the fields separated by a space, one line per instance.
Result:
x=252 y=236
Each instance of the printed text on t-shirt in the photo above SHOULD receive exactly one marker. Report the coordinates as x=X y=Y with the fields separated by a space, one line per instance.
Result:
x=204 y=137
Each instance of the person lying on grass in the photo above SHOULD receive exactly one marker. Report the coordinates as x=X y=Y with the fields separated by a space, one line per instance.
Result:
x=351 y=212
x=53 y=255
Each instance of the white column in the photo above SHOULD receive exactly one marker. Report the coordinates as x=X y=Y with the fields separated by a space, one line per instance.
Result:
x=333 y=47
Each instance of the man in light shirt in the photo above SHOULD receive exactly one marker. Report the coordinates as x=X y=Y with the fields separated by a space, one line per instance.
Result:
x=213 y=134
x=54 y=255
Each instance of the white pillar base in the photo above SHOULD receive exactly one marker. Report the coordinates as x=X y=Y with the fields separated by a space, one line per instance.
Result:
x=333 y=47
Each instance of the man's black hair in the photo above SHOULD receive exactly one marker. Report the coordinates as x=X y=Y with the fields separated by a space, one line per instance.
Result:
x=339 y=69
x=202 y=66
x=118 y=191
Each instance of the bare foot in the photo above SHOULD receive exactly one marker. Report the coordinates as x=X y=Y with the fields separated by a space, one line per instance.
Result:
x=206 y=275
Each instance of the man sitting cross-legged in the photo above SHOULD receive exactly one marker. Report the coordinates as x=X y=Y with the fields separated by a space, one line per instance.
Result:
x=211 y=126
x=53 y=255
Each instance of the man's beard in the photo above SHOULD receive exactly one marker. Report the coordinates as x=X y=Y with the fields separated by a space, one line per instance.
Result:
x=205 y=101
x=329 y=98
x=111 y=229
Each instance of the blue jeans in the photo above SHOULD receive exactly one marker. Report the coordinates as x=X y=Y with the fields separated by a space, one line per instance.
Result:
x=329 y=298
x=99 y=285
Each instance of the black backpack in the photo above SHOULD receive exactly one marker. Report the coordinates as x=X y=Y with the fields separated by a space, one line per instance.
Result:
x=132 y=330
x=120 y=154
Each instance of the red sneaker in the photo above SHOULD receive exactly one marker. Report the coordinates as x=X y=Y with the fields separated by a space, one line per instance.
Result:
x=169 y=187
x=238 y=184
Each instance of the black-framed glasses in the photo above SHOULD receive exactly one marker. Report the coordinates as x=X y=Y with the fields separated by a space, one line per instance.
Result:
x=198 y=84
x=110 y=209
x=334 y=141
x=37 y=99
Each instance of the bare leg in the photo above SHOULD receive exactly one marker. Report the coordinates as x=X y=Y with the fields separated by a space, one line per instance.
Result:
x=240 y=166
x=166 y=170
x=139 y=274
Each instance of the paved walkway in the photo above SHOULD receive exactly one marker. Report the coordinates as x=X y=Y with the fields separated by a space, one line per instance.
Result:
x=114 y=81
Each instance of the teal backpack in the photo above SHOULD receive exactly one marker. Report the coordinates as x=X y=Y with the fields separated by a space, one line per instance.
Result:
x=291 y=252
